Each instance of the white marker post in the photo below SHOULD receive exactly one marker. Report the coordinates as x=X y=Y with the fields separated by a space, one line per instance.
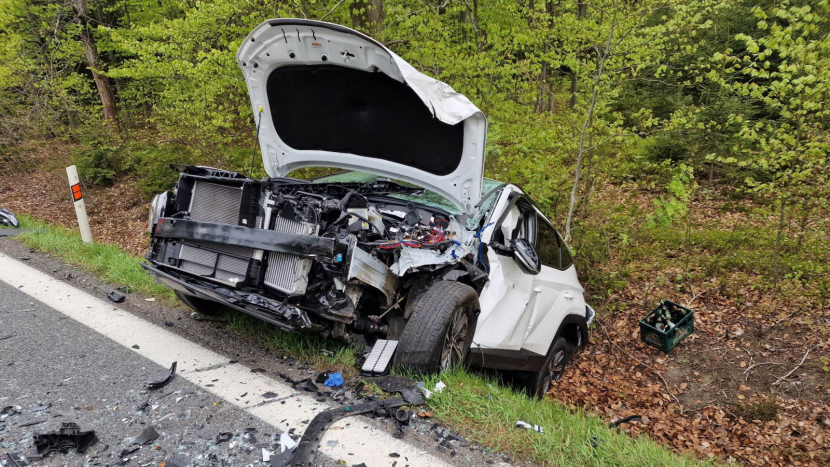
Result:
x=78 y=200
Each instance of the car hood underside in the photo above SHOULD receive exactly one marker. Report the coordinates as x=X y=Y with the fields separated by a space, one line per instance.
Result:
x=327 y=96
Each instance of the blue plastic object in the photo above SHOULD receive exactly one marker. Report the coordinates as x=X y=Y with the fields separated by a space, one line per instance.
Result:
x=335 y=380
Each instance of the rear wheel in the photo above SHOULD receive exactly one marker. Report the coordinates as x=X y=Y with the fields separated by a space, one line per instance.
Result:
x=560 y=353
x=200 y=305
x=440 y=330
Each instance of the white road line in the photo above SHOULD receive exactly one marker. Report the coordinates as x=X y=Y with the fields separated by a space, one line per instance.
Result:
x=357 y=441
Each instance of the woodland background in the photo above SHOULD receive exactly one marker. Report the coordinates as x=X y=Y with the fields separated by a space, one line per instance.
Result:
x=681 y=146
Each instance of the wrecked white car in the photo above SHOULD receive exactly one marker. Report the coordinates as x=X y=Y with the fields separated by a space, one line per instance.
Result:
x=410 y=249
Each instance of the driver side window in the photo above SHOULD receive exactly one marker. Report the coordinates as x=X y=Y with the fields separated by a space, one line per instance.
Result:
x=551 y=248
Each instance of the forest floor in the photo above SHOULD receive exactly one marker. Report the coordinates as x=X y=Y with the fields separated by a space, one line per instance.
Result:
x=751 y=384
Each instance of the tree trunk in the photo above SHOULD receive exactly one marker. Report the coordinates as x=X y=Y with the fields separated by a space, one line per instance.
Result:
x=776 y=261
x=581 y=11
x=368 y=15
x=603 y=57
x=540 y=95
x=91 y=55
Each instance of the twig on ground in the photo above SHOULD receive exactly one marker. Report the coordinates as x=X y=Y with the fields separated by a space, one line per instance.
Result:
x=778 y=381
x=665 y=383
x=751 y=367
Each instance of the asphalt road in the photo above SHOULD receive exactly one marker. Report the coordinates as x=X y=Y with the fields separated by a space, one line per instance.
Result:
x=57 y=370
x=68 y=355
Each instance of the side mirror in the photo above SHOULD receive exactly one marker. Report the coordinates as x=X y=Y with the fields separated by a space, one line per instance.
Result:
x=526 y=257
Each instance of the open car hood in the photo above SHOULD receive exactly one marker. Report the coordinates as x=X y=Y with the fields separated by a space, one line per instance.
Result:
x=334 y=97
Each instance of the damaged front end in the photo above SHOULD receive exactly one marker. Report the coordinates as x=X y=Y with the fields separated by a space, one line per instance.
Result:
x=336 y=258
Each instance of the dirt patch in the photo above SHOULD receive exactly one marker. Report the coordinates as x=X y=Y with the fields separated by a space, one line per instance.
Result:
x=117 y=214
x=722 y=392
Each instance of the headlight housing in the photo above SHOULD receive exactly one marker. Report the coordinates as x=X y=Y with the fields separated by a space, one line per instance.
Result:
x=156 y=210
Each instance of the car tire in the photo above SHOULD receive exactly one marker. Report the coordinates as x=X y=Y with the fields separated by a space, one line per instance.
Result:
x=200 y=305
x=440 y=330
x=556 y=361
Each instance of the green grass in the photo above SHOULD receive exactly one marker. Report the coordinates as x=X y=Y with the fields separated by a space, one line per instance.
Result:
x=480 y=409
x=109 y=262
x=474 y=405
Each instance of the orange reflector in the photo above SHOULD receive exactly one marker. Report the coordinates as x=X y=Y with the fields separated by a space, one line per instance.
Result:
x=76 y=192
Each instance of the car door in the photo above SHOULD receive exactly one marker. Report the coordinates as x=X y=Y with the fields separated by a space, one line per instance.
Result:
x=556 y=289
x=507 y=300
x=520 y=310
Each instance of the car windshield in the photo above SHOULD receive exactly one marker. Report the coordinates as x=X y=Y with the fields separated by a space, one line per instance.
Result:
x=429 y=198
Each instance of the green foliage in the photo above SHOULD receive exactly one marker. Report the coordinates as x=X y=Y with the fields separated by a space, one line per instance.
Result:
x=100 y=161
x=675 y=204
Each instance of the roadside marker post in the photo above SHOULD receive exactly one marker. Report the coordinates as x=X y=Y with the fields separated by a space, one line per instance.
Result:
x=78 y=201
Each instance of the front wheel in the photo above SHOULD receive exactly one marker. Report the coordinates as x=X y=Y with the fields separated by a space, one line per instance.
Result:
x=441 y=328
x=560 y=353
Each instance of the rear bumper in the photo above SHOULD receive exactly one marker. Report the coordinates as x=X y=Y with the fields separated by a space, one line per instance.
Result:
x=285 y=316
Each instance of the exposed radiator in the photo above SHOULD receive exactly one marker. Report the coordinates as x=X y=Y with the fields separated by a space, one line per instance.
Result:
x=212 y=202
x=289 y=273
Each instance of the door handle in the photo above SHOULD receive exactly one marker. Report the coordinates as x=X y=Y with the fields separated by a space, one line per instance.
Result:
x=569 y=295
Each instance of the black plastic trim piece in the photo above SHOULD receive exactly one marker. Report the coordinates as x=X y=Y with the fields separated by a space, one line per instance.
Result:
x=268 y=240
x=287 y=317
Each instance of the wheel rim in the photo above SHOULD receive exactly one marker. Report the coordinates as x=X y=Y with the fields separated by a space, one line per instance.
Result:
x=452 y=353
x=555 y=370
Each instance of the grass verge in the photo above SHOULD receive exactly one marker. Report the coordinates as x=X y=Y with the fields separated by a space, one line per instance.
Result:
x=474 y=405
x=109 y=262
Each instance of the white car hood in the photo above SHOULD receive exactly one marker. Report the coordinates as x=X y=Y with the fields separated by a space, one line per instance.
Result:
x=327 y=100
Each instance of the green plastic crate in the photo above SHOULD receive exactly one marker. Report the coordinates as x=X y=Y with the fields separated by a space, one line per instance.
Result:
x=666 y=340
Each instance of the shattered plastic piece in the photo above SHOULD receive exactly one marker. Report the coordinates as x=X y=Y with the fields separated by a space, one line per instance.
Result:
x=439 y=387
x=41 y=408
x=266 y=455
x=9 y=410
x=286 y=443
x=307 y=449
x=380 y=357
x=633 y=418
x=395 y=383
x=402 y=416
x=306 y=385
x=282 y=459
x=528 y=426
x=149 y=434
x=162 y=378
x=67 y=437
x=116 y=297
x=331 y=443
x=7 y=218
x=13 y=459
x=334 y=380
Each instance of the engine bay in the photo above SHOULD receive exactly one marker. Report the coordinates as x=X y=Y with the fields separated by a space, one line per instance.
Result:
x=340 y=258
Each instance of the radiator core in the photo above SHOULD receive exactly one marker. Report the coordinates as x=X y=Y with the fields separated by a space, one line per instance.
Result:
x=219 y=204
x=286 y=272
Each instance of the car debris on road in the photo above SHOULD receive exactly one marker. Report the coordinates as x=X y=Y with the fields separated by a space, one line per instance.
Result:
x=68 y=436
x=8 y=218
x=162 y=378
